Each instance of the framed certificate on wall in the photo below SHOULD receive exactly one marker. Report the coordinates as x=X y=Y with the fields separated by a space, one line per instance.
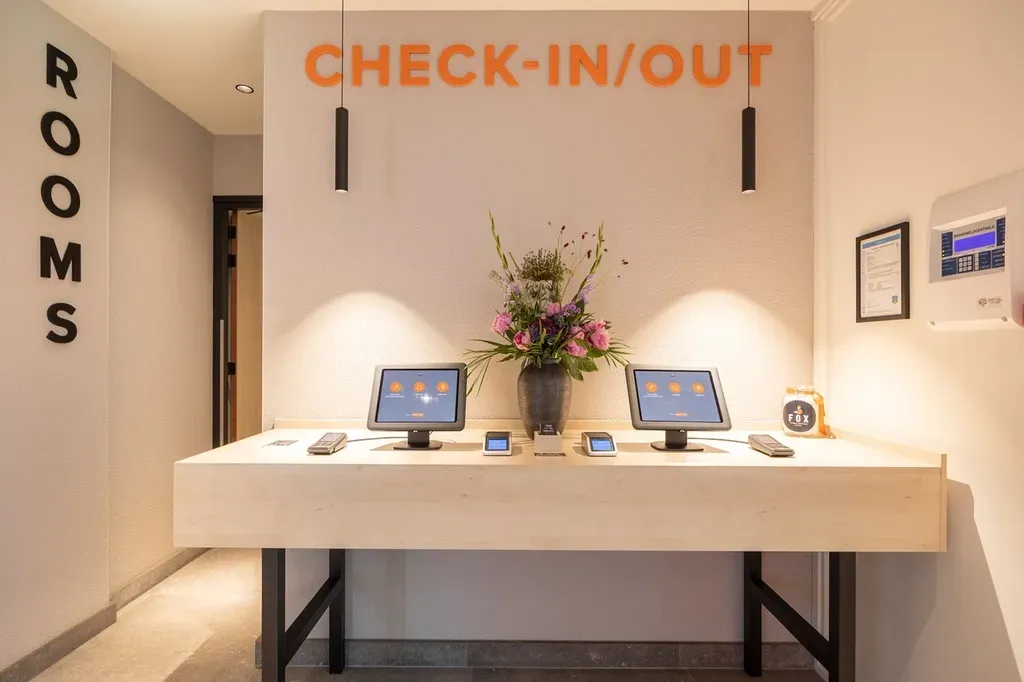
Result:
x=883 y=274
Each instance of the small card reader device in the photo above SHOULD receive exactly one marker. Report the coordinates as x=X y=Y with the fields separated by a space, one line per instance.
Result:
x=328 y=444
x=769 y=446
x=498 y=443
x=599 y=444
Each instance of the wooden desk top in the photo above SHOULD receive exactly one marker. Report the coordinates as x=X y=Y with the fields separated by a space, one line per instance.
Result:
x=463 y=448
x=837 y=494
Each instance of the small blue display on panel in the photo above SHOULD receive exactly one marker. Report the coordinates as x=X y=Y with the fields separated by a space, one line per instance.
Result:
x=1000 y=231
x=949 y=267
x=984 y=260
x=974 y=241
x=947 y=244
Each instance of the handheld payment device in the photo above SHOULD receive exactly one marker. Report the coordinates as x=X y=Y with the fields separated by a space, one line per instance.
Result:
x=498 y=443
x=767 y=445
x=599 y=444
x=328 y=444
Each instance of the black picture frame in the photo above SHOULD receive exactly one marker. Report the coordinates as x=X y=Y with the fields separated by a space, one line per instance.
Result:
x=904 y=232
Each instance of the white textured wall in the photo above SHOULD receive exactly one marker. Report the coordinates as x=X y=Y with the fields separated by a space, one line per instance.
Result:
x=161 y=284
x=238 y=165
x=396 y=270
x=53 y=397
x=901 y=125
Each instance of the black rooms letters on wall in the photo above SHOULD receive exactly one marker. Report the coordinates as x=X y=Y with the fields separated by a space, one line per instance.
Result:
x=61 y=70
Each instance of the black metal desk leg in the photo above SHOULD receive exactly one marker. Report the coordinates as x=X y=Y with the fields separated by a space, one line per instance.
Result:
x=842 y=616
x=336 y=616
x=274 y=657
x=752 y=614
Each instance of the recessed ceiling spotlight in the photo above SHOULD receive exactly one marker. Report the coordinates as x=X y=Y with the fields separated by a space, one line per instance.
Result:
x=245 y=89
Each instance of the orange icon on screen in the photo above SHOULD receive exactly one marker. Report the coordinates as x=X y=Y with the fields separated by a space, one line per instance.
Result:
x=651 y=387
x=417 y=414
x=698 y=388
x=419 y=387
x=396 y=387
x=674 y=387
x=442 y=387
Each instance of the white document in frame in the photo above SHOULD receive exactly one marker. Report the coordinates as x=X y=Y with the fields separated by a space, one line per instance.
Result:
x=881 y=275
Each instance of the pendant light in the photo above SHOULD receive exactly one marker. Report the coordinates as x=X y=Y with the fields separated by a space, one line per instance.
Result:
x=749 y=171
x=341 y=123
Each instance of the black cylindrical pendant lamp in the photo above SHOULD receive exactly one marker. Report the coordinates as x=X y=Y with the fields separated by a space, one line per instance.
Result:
x=341 y=126
x=749 y=150
x=341 y=149
x=749 y=130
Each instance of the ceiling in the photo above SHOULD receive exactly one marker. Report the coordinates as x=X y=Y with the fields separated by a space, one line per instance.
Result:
x=193 y=52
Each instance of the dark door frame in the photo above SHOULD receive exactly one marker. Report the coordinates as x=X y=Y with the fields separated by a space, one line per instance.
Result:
x=221 y=340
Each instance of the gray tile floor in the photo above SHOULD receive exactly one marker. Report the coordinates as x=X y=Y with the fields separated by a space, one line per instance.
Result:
x=200 y=624
x=527 y=675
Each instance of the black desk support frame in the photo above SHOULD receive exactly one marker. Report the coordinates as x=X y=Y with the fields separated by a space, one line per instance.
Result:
x=280 y=642
x=837 y=653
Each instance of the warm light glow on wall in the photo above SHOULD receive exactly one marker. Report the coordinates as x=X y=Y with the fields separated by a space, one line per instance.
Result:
x=703 y=324
x=738 y=335
x=894 y=364
x=346 y=337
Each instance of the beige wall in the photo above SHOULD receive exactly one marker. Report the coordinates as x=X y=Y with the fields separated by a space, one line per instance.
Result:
x=161 y=284
x=53 y=397
x=920 y=98
x=396 y=270
x=238 y=165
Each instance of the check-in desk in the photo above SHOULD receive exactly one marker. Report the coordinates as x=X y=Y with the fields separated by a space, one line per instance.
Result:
x=839 y=496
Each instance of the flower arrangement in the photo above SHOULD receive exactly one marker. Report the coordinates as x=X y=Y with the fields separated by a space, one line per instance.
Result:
x=540 y=321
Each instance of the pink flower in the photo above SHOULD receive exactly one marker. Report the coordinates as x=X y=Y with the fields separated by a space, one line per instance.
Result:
x=521 y=340
x=576 y=332
x=554 y=308
x=593 y=326
x=575 y=349
x=502 y=323
x=599 y=338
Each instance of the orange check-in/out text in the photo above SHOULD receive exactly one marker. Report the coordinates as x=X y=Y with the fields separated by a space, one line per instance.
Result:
x=459 y=65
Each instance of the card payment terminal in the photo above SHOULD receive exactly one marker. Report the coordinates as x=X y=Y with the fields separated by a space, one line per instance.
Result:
x=498 y=443
x=328 y=444
x=598 y=444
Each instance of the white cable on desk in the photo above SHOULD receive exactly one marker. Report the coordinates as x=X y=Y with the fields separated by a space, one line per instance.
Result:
x=360 y=440
x=725 y=440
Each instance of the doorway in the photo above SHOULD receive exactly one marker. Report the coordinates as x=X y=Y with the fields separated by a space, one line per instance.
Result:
x=237 y=318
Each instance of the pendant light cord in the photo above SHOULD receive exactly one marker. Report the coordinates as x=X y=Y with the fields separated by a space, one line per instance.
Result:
x=748 y=50
x=344 y=56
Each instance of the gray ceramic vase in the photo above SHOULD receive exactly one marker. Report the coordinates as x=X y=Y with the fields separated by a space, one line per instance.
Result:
x=544 y=396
